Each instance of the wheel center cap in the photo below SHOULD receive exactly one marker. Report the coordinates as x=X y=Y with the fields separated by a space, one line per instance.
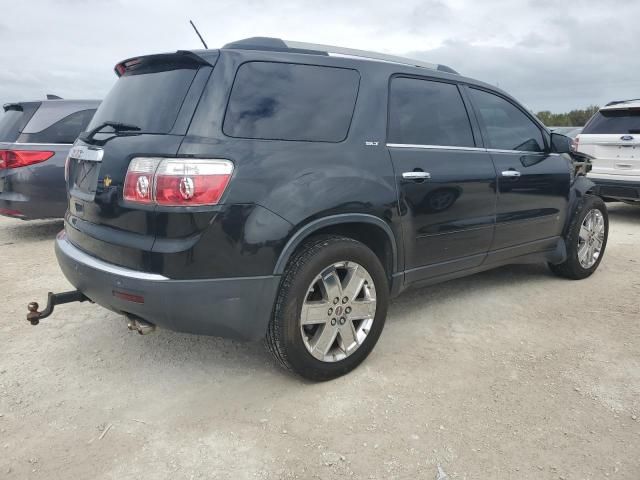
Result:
x=339 y=310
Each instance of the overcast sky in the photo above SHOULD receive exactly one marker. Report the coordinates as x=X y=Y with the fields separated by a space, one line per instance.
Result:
x=551 y=55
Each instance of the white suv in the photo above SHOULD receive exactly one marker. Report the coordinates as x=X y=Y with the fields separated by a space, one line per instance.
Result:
x=612 y=138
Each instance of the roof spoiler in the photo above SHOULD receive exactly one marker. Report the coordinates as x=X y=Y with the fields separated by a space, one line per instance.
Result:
x=617 y=102
x=12 y=106
x=178 y=57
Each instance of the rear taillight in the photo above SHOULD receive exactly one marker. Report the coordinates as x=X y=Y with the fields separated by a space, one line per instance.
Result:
x=573 y=146
x=177 y=181
x=191 y=182
x=138 y=184
x=66 y=168
x=23 y=158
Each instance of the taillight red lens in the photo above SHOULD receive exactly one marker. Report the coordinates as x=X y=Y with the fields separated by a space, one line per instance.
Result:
x=192 y=182
x=138 y=184
x=23 y=158
x=176 y=181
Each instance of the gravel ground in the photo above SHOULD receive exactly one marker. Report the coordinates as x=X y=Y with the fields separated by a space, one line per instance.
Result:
x=509 y=374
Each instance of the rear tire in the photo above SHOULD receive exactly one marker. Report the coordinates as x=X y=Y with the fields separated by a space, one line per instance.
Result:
x=586 y=239
x=330 y=309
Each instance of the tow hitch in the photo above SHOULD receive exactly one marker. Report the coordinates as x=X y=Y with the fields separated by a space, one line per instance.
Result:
x=53 y=299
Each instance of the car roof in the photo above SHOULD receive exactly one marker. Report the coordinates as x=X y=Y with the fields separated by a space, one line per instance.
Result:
x=280 y=45
x=268 y=48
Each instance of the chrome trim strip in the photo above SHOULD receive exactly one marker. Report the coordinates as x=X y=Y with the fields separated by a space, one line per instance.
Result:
x=519 y=152
x=610 y=143
x=470 y=149
x=88 y=154
x=79 y=256
x=435 y=147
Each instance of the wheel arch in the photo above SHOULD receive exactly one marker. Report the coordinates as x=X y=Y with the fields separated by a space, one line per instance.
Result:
x=353 y=225
x=580 y=187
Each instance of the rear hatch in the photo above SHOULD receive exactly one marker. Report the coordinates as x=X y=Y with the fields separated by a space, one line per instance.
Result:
x=612 y=137
x=146 y=114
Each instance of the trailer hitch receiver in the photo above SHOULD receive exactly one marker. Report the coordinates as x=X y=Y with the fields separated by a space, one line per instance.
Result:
x=53 y=299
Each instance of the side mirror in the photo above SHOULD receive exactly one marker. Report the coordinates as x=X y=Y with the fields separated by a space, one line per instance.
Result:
x=560 y=143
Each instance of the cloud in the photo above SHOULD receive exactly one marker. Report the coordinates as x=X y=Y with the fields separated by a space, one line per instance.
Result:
x=551 y=55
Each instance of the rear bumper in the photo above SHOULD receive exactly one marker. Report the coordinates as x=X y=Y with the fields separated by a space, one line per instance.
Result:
x=24 y=194
x=616 y=189
x=238 y=308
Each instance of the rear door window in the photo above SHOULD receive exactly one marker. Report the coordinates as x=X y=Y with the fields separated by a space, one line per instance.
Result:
x=284 y=101
x=65 y=130
x=149 y=96
x=423 y=112
x=14 y=120
x=614 y=121
x=506 y=126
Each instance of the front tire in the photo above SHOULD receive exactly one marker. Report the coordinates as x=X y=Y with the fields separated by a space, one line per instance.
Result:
x=330 y=309
x=586 y=239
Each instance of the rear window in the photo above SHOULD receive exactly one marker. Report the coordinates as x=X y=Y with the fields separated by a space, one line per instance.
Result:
x=65 y=130
x=284 y=101
x=148 y=97
x=614 y=121
x=14 y=120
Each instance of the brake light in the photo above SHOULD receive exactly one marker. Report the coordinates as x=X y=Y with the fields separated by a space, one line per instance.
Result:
x=191 y=182
x=177 y=181
x=11 y=213
x=23 y=158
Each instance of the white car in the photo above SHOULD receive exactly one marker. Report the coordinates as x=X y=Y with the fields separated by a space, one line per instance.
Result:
x=612 y=138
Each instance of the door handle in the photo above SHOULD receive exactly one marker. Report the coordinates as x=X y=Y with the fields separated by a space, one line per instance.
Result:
x=511 y=173
x=416 y=175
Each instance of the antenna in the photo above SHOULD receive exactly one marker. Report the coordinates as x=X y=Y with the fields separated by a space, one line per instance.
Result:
x=198 y=33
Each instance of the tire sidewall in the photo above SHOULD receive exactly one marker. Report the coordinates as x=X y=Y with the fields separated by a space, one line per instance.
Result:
x=297 y=353
x=590 y=202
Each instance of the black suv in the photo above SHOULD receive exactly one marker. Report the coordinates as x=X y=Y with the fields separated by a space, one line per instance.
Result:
x=287 y=191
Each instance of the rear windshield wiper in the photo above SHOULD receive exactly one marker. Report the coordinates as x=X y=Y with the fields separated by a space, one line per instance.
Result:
x=634 y=130
x=117 y=126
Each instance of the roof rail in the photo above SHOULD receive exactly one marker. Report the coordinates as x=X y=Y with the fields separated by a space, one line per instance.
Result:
x=616 y=102
x=276 y=44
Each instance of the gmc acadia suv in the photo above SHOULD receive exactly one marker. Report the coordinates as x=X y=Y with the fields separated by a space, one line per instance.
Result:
x=287 y=191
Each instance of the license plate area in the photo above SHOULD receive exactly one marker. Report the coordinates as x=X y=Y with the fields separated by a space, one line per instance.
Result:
x=630 y=152
x=84 y=178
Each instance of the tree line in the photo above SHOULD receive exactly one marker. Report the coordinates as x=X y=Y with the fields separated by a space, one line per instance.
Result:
x=574 y=118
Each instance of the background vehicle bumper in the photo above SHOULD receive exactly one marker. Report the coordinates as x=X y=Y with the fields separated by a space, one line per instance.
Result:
x=238 y=308
x=33 y=192
x=617 y=189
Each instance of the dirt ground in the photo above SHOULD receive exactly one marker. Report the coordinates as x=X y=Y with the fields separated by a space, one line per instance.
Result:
x=509 y=374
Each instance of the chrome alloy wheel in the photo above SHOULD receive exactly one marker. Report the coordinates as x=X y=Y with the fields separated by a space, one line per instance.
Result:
x=591 y=238
x=338 y=312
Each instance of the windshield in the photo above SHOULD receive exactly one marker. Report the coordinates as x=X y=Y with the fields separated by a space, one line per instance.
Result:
x=614 y=121
x=14 y=120
x=147 y=98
